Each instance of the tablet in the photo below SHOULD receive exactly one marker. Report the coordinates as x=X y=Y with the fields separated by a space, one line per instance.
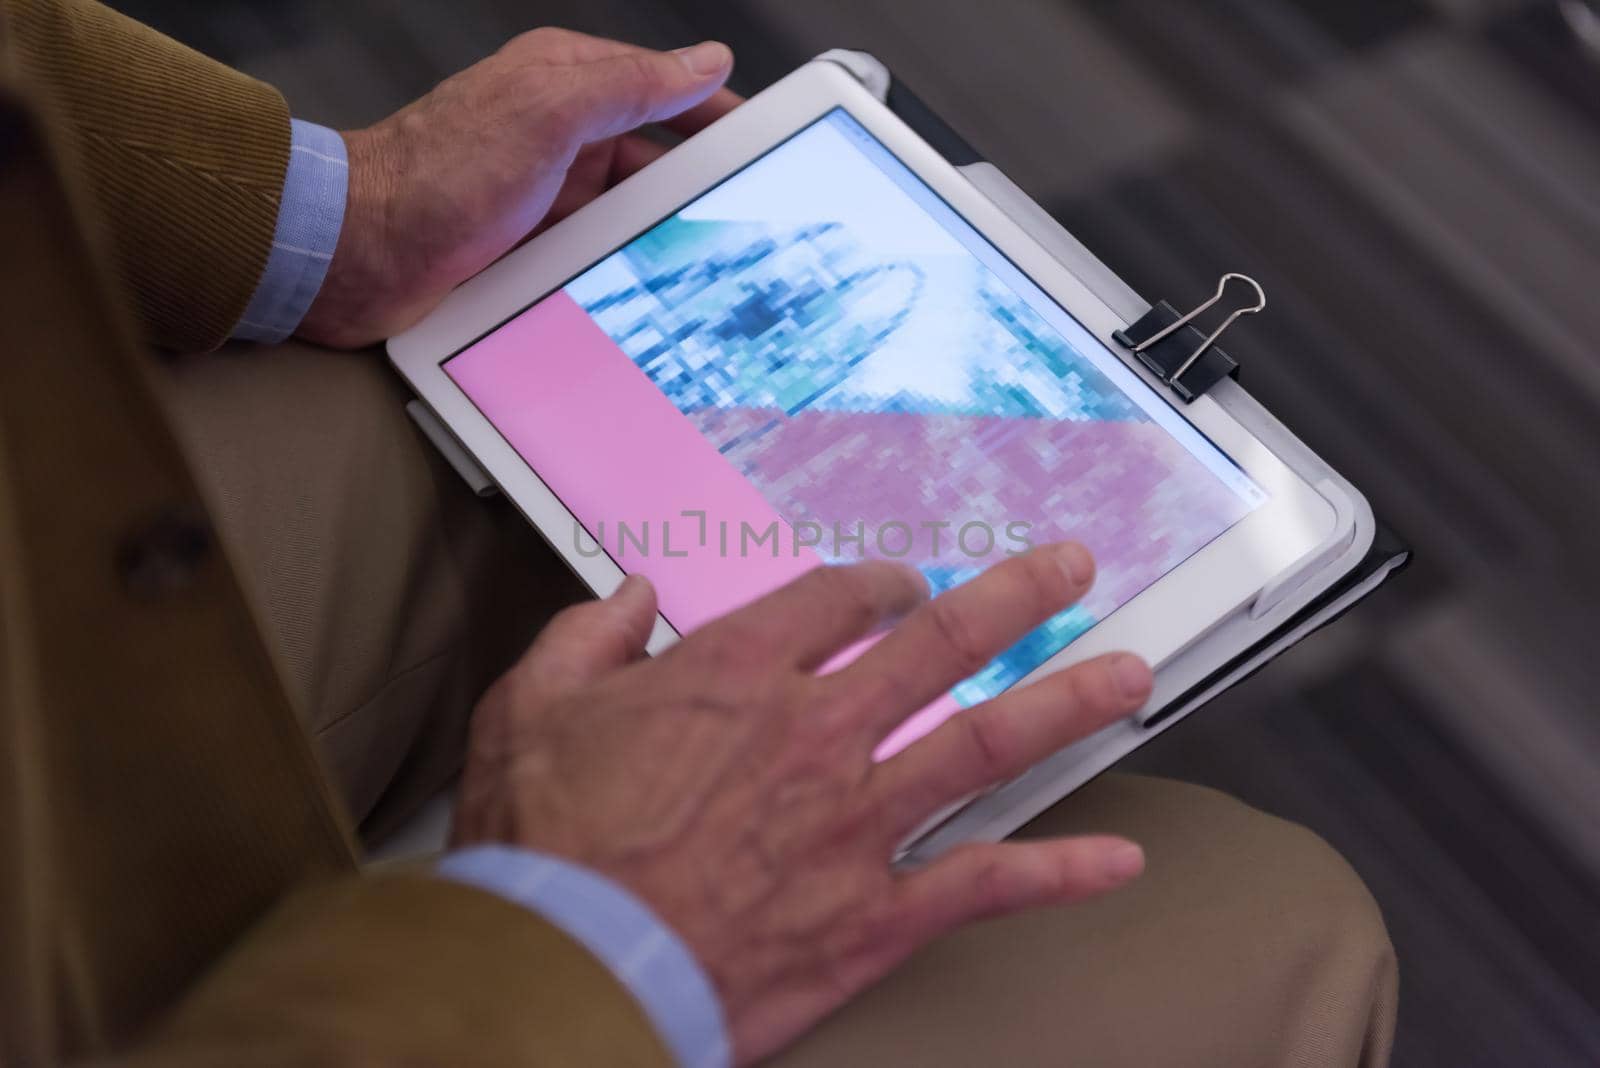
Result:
x=804 y=337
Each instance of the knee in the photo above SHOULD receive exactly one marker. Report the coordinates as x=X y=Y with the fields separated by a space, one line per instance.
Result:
x=1255 y=920
x=1337 y=968
x=1313 y=953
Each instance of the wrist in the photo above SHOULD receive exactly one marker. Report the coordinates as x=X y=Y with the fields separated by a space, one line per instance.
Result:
x=645 y=955
x=348 y=309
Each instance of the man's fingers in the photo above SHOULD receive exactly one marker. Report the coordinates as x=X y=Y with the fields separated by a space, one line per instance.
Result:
x=950 y=638
x=580 y=644
x=619 y=93
x=975 y=882
x=1000 y=739
x=704 y=113
x=820 y=613
x=588 y=640
x=634 y=153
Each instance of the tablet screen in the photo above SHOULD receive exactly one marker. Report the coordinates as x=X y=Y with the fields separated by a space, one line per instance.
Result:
x=819 y=360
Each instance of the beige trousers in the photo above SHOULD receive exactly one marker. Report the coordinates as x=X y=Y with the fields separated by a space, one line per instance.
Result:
x=393 y=596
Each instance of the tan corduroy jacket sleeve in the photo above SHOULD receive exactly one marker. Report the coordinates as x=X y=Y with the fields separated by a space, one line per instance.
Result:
x=183 y=160
x=176 y=885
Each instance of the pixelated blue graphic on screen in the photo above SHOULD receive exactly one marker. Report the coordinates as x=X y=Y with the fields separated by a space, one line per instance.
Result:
x=724 y=315
x=742 y=314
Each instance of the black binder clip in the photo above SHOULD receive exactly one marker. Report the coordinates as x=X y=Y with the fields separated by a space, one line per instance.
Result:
x=1185 y=360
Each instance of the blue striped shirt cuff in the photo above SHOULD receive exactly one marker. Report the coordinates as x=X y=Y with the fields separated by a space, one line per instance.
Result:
x=309 y=218
x=643 y=953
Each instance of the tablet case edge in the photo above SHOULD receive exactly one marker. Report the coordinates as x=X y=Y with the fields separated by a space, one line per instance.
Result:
x=1002 y=811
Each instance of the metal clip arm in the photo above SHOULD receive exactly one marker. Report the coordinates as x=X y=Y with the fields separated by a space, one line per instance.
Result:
x=1170 y=362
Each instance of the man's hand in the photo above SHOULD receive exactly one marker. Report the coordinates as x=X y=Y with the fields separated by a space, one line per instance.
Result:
x=732 y=787
x=444 y=187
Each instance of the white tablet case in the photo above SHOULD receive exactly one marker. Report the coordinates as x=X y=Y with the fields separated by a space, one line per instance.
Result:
x=1326 y=583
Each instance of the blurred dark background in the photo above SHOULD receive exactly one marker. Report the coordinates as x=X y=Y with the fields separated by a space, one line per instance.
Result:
x=1417 y=185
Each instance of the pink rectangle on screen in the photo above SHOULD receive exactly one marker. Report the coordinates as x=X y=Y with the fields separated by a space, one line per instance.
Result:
x=612 y=447
x=615 y=449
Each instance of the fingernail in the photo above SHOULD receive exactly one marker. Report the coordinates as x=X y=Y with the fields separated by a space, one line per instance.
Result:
x=705 y=58
x=1123 y=862
x=1076 y=562
x=1133 y=677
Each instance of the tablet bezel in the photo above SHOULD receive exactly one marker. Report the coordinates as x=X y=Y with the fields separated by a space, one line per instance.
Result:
x=1158 y=623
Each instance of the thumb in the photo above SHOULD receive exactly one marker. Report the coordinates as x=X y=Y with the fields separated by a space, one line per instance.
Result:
x=589 y=640
x=619 y=93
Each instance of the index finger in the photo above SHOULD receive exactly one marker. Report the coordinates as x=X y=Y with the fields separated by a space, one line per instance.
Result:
x=952 y=637
x=704 y=113
x=1003 y=737
x=635 y=151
